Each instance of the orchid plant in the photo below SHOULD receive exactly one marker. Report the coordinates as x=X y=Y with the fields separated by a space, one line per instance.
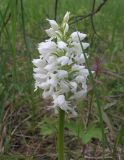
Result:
x=60 y=71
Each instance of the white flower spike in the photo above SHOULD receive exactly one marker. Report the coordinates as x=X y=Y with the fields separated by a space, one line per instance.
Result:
x=60 y=71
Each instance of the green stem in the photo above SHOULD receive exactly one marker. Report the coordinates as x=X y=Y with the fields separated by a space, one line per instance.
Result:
x=61 y=135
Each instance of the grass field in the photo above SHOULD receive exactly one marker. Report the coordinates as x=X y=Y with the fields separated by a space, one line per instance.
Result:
x=27 y=129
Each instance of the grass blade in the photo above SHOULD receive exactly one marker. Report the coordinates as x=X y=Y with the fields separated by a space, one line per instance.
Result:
x=96 y=92
x=14 y=19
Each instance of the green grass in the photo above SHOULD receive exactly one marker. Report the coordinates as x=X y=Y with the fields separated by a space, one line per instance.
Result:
x=15 y=157
x=22 y=27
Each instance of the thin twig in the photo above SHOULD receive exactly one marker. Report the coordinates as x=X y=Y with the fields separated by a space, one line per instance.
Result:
x=80 y=18
x=113 y=74
x=117 y=96
x=92 y=21
x=97 y=158
x=27 y=118
x=89 y=110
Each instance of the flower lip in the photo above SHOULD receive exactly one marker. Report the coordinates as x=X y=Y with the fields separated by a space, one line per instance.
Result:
x=76 y=35
x=61 y=45
x=45 y=48
x=53 y=24
x=62 y=74
x=63 y=60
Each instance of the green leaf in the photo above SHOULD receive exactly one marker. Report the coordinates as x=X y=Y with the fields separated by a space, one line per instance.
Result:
x=92 y=132
x=77 y=130
x=48 y=127
x=46 y=130
x=1 y=88
x=120 y=136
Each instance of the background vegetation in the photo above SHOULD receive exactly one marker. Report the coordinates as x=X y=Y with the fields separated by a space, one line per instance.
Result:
x=27 y=129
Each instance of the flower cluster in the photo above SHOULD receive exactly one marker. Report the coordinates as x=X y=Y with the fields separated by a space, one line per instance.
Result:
x=60 y=71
